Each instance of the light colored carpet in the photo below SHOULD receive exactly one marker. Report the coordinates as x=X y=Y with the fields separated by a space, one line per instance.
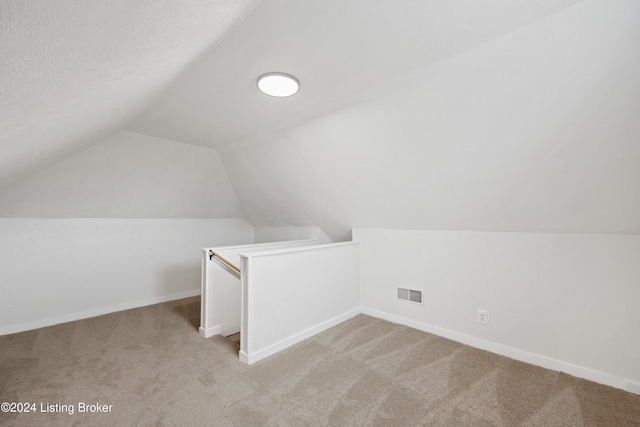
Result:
x=151 y=365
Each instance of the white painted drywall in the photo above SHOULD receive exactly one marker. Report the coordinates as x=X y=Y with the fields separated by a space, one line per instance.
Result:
x=280 y=234
x=289 y=295
x=220 y=299
x=233 y=253
x=564 y=301
x=536 y=130
x=57 y=270
x=221 y=302
x=127 y=176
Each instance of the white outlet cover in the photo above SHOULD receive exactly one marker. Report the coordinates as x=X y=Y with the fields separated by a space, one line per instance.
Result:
x=483 y=316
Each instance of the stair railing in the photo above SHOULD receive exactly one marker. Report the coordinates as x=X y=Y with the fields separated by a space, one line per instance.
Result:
x=213 y=254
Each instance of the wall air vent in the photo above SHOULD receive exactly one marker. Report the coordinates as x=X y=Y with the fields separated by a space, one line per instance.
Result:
x=410 y=295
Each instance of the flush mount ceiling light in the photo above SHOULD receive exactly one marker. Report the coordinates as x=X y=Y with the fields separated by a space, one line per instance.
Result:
x=279 y=85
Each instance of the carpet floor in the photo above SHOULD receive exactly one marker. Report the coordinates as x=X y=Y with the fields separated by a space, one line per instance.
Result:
x=149 y=367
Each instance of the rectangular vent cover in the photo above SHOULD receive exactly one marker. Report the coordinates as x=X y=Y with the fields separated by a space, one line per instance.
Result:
x=410 y=295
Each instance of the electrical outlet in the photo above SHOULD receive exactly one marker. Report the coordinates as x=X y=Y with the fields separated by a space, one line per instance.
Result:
x=483 y=316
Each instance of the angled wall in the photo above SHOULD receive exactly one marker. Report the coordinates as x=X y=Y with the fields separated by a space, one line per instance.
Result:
x=117 y=226
x=534 y=131
x=127 y=176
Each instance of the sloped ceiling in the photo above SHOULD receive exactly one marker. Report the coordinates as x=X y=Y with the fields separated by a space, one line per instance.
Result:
x=75 y=72
x=535 y=131
x=335 y=48
x=463 y=115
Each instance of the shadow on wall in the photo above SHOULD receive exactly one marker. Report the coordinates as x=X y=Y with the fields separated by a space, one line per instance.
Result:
x=181 y=280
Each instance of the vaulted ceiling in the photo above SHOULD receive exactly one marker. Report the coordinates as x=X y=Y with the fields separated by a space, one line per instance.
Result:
x=491 y=115
x=335 y=48
x=74 y=73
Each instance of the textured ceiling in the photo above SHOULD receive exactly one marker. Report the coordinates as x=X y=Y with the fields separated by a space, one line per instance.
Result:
x=537 y=130
x=75 y=72
x=335 y=48
x=491 y=115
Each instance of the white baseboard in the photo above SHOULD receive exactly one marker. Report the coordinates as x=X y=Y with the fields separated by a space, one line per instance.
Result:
x=209 y=332
x=633 y=387
x=287 y=342
x=27 y=326
x=513 y=353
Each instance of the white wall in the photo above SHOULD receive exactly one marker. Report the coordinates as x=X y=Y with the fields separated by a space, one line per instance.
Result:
x=233 y=253
x=289 y=295
x=284 y=233
x=127 y=176
x=91 y=259
x=221 y=289
x=220 y=298
x=57 y=270
x=565 y=301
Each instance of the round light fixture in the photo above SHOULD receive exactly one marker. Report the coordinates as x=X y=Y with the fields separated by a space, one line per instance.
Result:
x=279 y=85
